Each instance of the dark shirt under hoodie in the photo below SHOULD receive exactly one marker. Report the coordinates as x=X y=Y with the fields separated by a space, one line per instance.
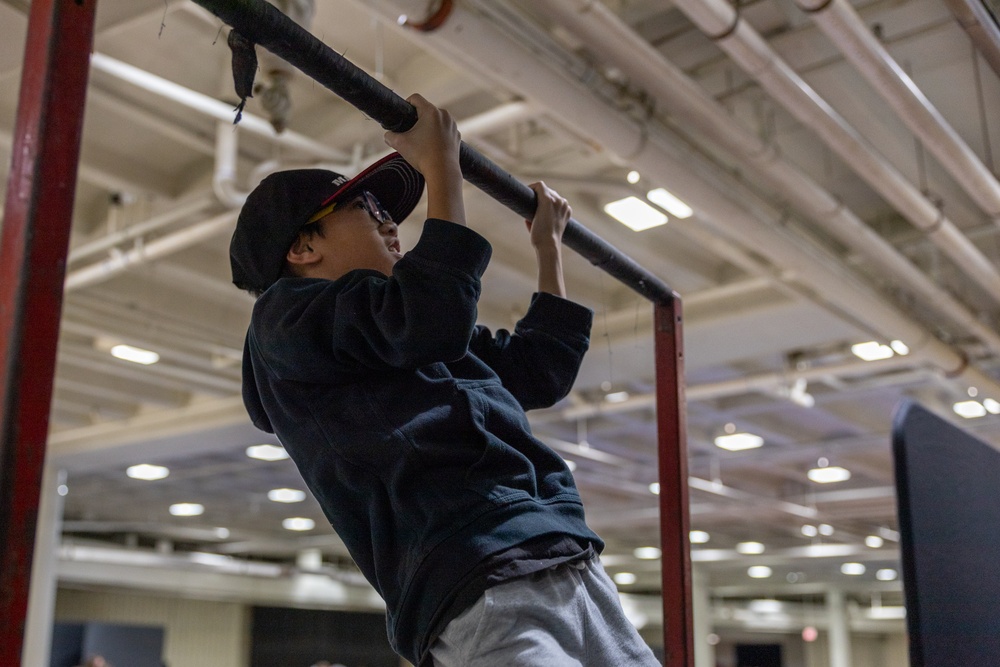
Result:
x=406 y=421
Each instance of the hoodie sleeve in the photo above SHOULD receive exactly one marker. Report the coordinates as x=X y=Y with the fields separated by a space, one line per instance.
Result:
x=539 y=362
x=306 y=329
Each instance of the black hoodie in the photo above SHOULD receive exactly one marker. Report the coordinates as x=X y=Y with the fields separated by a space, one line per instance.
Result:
x=407 y=423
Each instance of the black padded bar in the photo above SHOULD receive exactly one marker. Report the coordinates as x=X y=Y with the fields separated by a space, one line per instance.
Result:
x=265 y=25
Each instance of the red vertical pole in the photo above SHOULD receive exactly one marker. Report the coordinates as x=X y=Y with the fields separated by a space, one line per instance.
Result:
x=678 y=628
x=36 y=227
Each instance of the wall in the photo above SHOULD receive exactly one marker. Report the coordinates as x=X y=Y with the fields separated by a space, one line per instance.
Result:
x=198 y=633
x=867 y=650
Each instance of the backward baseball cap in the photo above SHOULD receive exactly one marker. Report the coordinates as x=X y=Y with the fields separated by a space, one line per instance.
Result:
x=284 y=202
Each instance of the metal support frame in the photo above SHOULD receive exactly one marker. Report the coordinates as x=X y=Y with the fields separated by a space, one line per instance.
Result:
x=36 y=228
x=678 y=623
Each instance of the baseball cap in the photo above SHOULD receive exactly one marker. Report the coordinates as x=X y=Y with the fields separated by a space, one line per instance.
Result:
x=285 y=201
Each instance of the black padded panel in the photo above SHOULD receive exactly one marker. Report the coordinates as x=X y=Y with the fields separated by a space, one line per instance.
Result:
x=948 y=487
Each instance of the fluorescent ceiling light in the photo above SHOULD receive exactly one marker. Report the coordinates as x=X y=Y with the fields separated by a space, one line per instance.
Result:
x=617 y=397
x=298 y=523
x=829 y=474
x=654 y=488
x=647 y=553
x=809 y=530
x=267 y=452
x=221 y=533
x=886 y=574
x=136 y=355
x=899 y=347
x=872 y=351
x=286 y=495
x=969 y=409
x=187 y=509
x=699 y=537
x=825 y=529
x=624 y=578
x=759 y=572
x=853 y=569
x=635 y=214
x=992 y=407
x=669 y=203
x=570 y=464
x=887 y=613
x=736 y=442
x=874 y=541
x=766 y=606
x=147 y=471
x=750 y=548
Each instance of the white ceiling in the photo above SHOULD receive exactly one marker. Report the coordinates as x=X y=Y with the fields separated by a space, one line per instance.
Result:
x=771 y=294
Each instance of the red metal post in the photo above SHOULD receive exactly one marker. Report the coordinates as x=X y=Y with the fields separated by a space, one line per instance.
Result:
x=678 y=628
x=36 y=227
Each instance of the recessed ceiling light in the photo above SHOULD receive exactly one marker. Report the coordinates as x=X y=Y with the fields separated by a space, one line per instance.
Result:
x=187 y=509
x=736 y=442
x=853 y=569
x=809 y=530
x=635 y=214
x=874 y=541
x=669 y=203
x=147 y=471
x=616 y=397
x=872 y=351
x=286 y=495
x=886 y=574
x=766 y=606
x=969 y=409
x=899 y=347
x=750 y=548
x=654 y=488
x=699 y=537
x=633 y=177
x=624 y=578
x=136 y=355
x=570 y=464
x=267 y=452
x=829 y=474
x=647 y=553
x=759 y=572
x=298 y=523
x=825 y=529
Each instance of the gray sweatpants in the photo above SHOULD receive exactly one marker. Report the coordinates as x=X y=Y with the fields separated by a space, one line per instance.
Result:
x=567 y=616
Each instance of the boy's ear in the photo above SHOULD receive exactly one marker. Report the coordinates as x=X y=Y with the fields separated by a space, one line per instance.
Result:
x=301 y=252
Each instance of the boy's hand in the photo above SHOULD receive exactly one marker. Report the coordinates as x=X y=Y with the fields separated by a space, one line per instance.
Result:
x=551 y=217
x=431 y=146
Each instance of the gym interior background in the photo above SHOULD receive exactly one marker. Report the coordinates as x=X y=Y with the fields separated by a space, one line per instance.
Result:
x=817 y=183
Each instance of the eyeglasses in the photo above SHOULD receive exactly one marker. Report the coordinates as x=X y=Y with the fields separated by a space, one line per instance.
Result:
x=375 y=208
x=368 y=202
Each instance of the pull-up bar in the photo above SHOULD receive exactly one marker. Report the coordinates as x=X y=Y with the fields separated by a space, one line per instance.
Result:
x=263 y=24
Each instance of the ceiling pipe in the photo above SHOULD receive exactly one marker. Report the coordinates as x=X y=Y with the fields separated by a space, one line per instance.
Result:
x=177 y=212
x=841 y=24
x=722 y=24
x=760 y=382
x=607 y=36
x=981 y=27
x=121 y=260
x=212 y=107
x=470 y=41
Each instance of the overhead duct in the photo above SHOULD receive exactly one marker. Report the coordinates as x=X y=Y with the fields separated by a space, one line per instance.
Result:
x=720 y=21
x=980 y=23
x=841 y=24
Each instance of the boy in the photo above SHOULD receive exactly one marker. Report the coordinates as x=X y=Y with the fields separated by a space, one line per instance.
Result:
x=407 y=421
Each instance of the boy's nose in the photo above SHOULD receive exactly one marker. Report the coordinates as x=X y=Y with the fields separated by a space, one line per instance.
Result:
x=389 y=227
